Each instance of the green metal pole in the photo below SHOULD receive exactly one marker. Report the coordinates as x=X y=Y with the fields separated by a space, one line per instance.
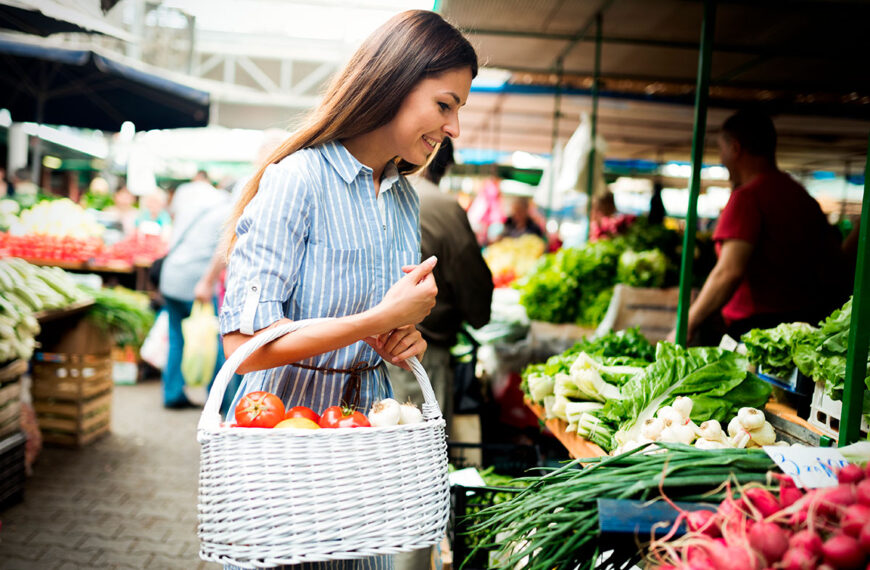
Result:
x=590 y=170
x=859 y=330
x=708 y=30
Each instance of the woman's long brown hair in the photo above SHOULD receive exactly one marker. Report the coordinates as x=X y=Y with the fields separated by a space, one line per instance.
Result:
x=368 y=92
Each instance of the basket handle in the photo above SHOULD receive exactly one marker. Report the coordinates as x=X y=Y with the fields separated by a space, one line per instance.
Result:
x=211 y=415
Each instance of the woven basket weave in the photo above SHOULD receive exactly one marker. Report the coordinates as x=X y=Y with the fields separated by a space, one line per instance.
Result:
x=269 y=497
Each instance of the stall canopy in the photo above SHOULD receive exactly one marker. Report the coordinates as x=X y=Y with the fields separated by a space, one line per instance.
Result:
x=803 y=61
x=82 y=88
x=48 y=17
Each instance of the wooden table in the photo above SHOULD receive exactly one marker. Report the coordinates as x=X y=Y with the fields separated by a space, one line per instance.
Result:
x=577 y=446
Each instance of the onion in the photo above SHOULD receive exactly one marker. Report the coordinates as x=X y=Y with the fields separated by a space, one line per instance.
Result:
x=850 y=473
x=410 y=414
x=843 y=551
x=769 y=540
x=384 y=413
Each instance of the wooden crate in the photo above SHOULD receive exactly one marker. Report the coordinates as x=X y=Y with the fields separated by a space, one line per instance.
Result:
x=654 y=311
x=10 y=397
x=72 y=396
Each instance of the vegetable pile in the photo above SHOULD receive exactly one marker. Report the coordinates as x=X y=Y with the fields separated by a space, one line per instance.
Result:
x=124 y=314
x=510 y=258
x=825 y=528
x=24 y=290
x=553 y=523
x=575 y=285
x=818 y=352
x=611 y=401
x=265 y=410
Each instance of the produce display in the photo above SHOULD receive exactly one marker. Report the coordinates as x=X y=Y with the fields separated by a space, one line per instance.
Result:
x=818 y=352
x=24 y=290
x=510 y=258
x=610 y=401
x=59 y=218
x=575 y=285
x=265 y=410
x=827 y=528
x=50 y=248
x=553 y=523
x=126 y=315
x=131 y=250
x=9 y=210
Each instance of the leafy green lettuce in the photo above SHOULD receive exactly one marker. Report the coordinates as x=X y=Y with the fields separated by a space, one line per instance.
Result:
x=772 y=349
x=713 y=376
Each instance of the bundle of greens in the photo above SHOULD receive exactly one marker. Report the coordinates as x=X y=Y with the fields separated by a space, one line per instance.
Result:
x=773 y=349
x=123 y=313
x=573 y=285
x=823 y=355
x=717 y=380
x=642 y=269
x=553 y=522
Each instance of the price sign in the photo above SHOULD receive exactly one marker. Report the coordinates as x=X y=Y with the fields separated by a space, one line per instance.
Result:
x=810 y=467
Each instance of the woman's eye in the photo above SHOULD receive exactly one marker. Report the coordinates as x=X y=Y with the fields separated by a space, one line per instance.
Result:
x=443 y=106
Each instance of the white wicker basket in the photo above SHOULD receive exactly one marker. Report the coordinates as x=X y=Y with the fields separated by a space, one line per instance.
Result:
x=269 y=497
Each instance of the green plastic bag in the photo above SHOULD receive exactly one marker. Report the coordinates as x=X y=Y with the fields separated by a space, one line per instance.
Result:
x=200 y=331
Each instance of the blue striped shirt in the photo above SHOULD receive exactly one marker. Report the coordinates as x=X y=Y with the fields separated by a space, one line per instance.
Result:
x=314 y=243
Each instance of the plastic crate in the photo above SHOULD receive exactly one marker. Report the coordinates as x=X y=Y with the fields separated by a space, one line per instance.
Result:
x=465 y=504
x=825 y=413
x=12 y=470
x=504 y=458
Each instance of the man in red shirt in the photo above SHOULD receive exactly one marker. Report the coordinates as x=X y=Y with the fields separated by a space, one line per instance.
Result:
x=779 y=259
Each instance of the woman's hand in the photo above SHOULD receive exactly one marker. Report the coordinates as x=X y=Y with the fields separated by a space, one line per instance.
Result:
x=398 y=345
x=411 y=298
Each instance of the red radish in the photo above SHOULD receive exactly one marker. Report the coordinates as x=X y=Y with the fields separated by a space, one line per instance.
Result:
x=843 y=551
x=806 y=540
x=850 y=473
x=798 y=519
x=769 y=540
x=789 y=496
x=763 y=500
x=864 y=538
x=698 y=559
x=731 y=557
x=703 y=521
x=833 y=501
x=863 y=492
x=854 y=519
x=798 y=559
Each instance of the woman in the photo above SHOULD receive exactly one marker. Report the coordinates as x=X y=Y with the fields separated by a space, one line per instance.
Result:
x=327 y=227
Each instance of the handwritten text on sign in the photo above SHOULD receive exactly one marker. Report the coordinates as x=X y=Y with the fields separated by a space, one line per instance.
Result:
x=810 y=467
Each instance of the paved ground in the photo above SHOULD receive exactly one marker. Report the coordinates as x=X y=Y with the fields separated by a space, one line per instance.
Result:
x=127 y=500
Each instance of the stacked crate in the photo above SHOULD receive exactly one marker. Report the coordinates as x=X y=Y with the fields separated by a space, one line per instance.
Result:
x=72 y=386
x=12 y=466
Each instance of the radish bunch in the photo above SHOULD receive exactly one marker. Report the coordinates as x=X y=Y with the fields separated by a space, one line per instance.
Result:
x=823 y=529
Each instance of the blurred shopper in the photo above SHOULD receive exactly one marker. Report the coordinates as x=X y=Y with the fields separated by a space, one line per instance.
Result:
x=153 y=217
x=520 y=221
x=779 y=259
x=195 y=238
x=187 y=195
x=657 y=211
x=605 y=220
x=22 y=184
x=124 y=212
x=4 y=184
x=329 y=225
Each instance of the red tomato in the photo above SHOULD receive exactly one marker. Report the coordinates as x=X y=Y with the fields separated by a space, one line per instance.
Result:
x=259 y=409
x=339 y=417
x=302 y=412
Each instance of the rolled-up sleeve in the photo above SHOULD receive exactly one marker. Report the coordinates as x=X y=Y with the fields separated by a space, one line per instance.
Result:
x=270 y=244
